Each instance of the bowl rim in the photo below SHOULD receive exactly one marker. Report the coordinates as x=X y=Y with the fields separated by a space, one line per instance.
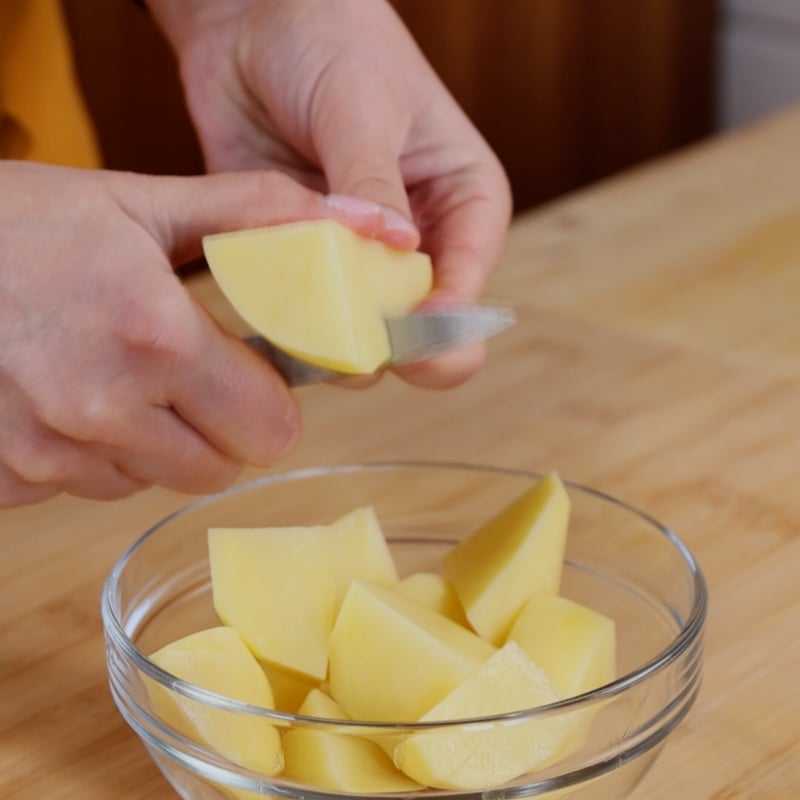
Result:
x=688 y=634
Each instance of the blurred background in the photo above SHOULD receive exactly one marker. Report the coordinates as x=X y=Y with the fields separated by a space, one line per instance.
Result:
x=566 y=91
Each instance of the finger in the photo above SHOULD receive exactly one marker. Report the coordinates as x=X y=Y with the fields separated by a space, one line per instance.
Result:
x=362 y=160
x=186 y=412
x=102 y=480
x=467 y=221
x=125 y=449
x=395 y=230
x=467 y=218
x=165 y=450
x=379 y=181
x=112 y=437
x=40 y=462
x=233 y=397
x=447 y=370
x=179 y=211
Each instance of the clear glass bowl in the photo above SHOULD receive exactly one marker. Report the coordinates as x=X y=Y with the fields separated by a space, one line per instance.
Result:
x=619 y=561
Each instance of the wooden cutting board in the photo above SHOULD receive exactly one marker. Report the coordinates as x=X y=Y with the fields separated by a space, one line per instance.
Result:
x=656 y=358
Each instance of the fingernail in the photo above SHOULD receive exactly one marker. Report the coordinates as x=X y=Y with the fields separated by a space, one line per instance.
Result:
x=353 y=206
x=394 y=221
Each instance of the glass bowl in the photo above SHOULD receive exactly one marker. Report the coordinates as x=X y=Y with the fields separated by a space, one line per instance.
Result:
x=619 y=561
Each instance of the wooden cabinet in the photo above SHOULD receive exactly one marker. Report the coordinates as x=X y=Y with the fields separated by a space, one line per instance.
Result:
x=566 y=91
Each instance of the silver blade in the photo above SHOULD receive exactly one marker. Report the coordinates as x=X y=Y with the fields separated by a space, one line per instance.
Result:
x=423 y=335
x=294 y=371
x=412 y=338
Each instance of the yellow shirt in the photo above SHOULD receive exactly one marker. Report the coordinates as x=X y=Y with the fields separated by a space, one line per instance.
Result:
x=42 y=113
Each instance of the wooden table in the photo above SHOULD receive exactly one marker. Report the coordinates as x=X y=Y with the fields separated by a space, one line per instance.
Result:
x=657 y=358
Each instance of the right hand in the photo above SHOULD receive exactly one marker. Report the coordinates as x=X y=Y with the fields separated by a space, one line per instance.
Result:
x=111 y=377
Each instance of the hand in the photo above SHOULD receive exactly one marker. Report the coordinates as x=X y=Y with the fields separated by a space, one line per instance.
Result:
x=111 y=377
x=337 y=95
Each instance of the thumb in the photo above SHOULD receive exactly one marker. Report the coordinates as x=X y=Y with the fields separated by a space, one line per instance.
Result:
x=377 y=178
x=179 y=211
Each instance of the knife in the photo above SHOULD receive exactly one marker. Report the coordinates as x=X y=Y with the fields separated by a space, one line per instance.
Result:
x=412 y=338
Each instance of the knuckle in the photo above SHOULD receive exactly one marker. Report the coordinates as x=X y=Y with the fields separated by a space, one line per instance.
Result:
x=15 y=492
x=268 y=181
x=152 y=333
x=36 y=463
x=369 y=185
x=91 y=419
x=281 y=197
x=380 y=187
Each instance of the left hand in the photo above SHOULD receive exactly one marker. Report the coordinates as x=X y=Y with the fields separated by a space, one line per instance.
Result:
x=337 y=94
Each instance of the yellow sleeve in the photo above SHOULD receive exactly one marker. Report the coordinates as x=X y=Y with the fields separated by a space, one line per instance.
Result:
x=42 y=114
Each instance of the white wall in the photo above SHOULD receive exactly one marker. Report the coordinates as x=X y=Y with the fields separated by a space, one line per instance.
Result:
x=758 y=59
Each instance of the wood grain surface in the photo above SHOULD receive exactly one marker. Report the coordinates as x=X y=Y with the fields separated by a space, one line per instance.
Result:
x=657 y=358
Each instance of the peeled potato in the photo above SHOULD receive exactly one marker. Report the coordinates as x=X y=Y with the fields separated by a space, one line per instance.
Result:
x=519 y=552
x=218 y=660
x=281 y=587
x=318 y=290
x=340 y=762
x=495 y=753
x=393 y=659
x=338 y=636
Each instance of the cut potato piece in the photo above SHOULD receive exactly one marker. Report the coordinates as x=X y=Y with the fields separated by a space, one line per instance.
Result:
x=281 y=587
x=392 y=659
x=436 y=592
x=272 y=586
x=289 y=689
x=218 y=660
x=574 y=645
x=318 y=290
x=489 y=754
x=576 y=648
x=358 y=550
x=342 y=761
x=516 y=554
